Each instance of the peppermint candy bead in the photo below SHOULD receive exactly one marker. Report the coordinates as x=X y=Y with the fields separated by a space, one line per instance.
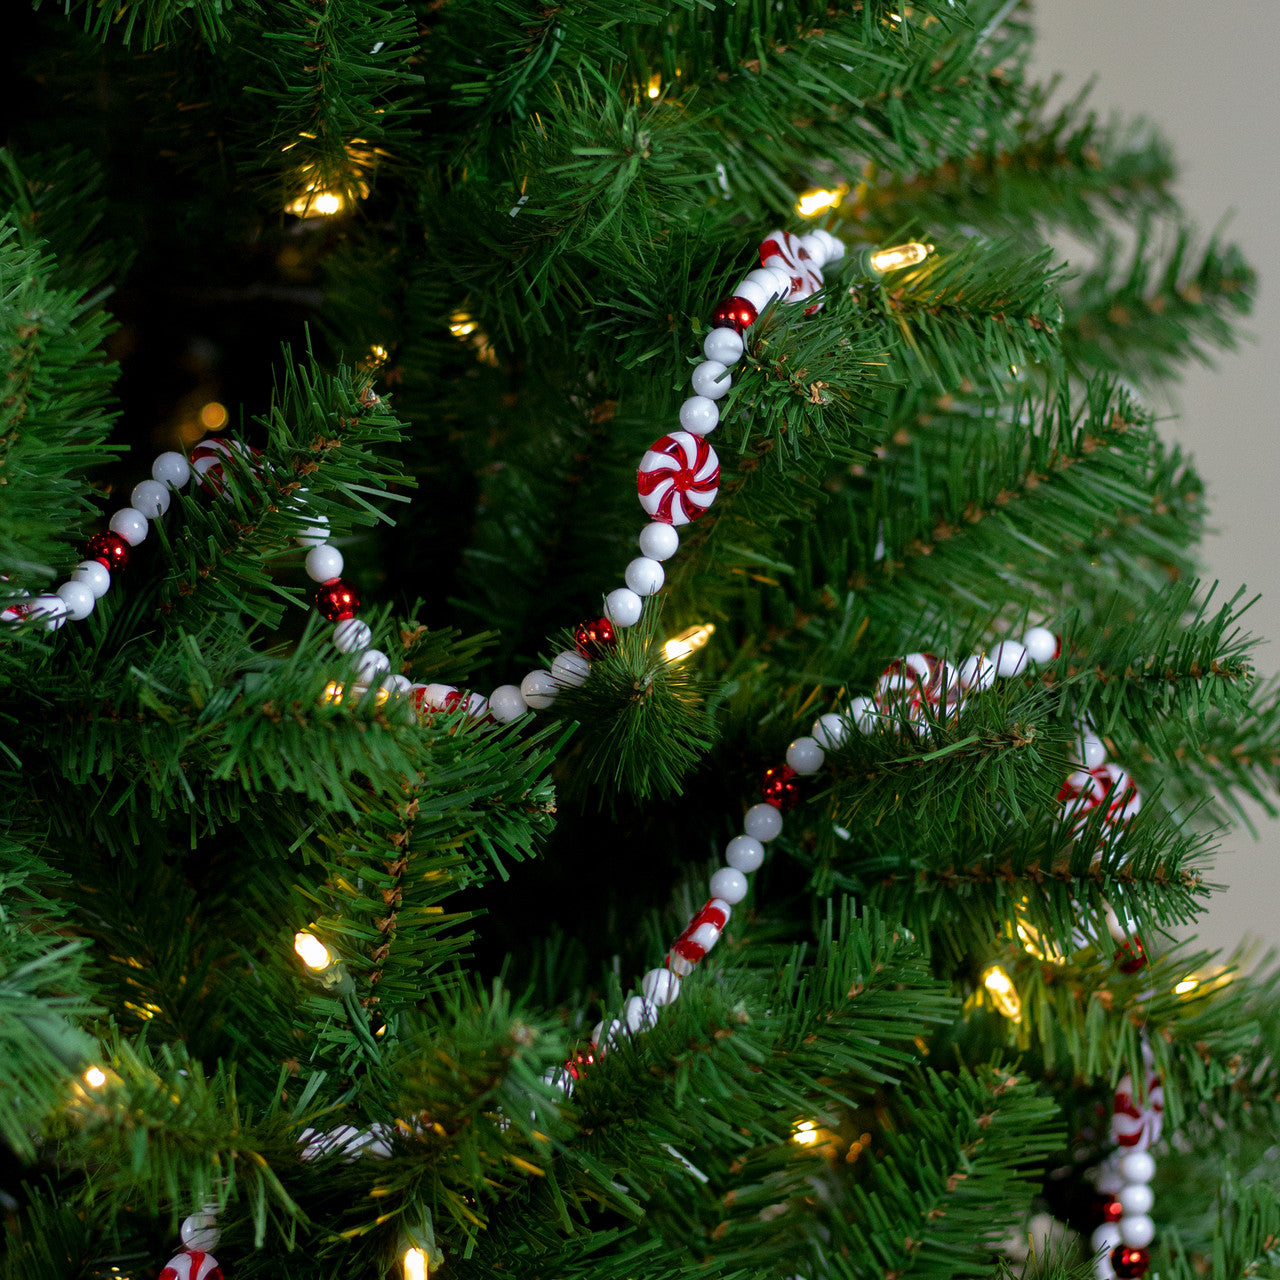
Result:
x=678 y=478
x=1134 y=1127
x=909 y=685
x=1108 y=787
x=192 y=1264
x=208 y=461
x=700 y=935
x=783 y=250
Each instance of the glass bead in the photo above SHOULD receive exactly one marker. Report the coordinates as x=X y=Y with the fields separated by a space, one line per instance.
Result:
x=779 y=787
x=109 y=549
x=337 y=601
x=593 y=637
x=734 y=313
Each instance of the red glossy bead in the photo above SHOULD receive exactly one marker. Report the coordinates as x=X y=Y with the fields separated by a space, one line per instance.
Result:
x=337 y=601
x=109 y=549
x=579 y=1063
x=1129 y=1263
x=780 y=788
x=1112 y=1211
x=733 y=313
x=1131 y=956
x=593 y=636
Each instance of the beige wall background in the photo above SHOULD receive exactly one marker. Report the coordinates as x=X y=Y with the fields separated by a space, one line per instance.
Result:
x=1207 y=76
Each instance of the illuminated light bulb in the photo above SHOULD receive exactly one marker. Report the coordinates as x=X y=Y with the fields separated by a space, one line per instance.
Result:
x=1186 y=986
x=377 y=357
x=1034 y=943
x=461 y=324
x=900 y=255
x=812 y=203
x=805 y=1134
x=655 y=85
x=415 y=1264
x=95 y=1077
x=1003 y=993
x=213 y=415
x=316 y=202
x=332 y=693
x=313 y=953
x=688 y=641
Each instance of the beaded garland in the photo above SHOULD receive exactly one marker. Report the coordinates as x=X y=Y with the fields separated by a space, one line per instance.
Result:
x=677 y=482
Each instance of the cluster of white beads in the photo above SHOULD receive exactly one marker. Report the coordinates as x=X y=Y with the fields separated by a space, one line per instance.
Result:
x=75 y=599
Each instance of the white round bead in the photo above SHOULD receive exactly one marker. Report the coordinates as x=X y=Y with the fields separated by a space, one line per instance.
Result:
x=754 y=293
x=645 y=577
x=315 y=530
x=782 y=280
x=1010 y=658
x=711 y=379
x=730 y=884
x=660 y=986
x=1092 y=750
x=351 y=635
x=623 y=607
x=744 y=853
x=724 y=345
x=863 y=714
x=95 y=575
x=1106 y=1236
x=397 y=684
x=830 y=730
x=130 y=524
x=371 y=664
x=324 y=563
x=977 y=671
x=1137 y=1231
x=1137 y=1166
x=570 y=668
x=762 y=822
x=79 y=599
x=539 y=689
x=816 y=246
x=1041 y=644
x=639 y=1014
x=659 y=541
x=200 y=1231
x=171 y=469
x=699 y=415
x=771 y=281
x=50 y=610
x=1135 y=1198
x=151 y=498
x=805 y=756
x=506 y=703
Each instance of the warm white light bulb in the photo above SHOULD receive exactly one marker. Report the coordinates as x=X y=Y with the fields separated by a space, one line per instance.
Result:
x=688 y=641
x=415 y=1264
x=900 y=255
x=95 y=1077
x=313 y=953
x=1003 y=993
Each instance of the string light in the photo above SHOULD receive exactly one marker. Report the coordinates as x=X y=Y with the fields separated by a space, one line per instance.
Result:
x=1034 y=943
x=332 y=693
x=805 y=1134
x=415 y=1264
x=899 y=256
x=1186 y=986
x=812 y=203
x=317 y=202
x=312 y=952
x=377 y=357
x=213 y=416
x=95 y=1077
x=688 y=641
x=655 y=85
x=1003 y=993
x=461 y=325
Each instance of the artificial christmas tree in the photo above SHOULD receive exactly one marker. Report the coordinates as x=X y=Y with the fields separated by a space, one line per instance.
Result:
x=666 y=732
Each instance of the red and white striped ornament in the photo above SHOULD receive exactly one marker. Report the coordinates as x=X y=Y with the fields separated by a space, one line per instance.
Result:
x=678 y=478
x=783 y=250
x=191 y=1264
x=1136 y=1127
x=700 y=935
x=910 y=685
x=1108 y=787
x=209 y=457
